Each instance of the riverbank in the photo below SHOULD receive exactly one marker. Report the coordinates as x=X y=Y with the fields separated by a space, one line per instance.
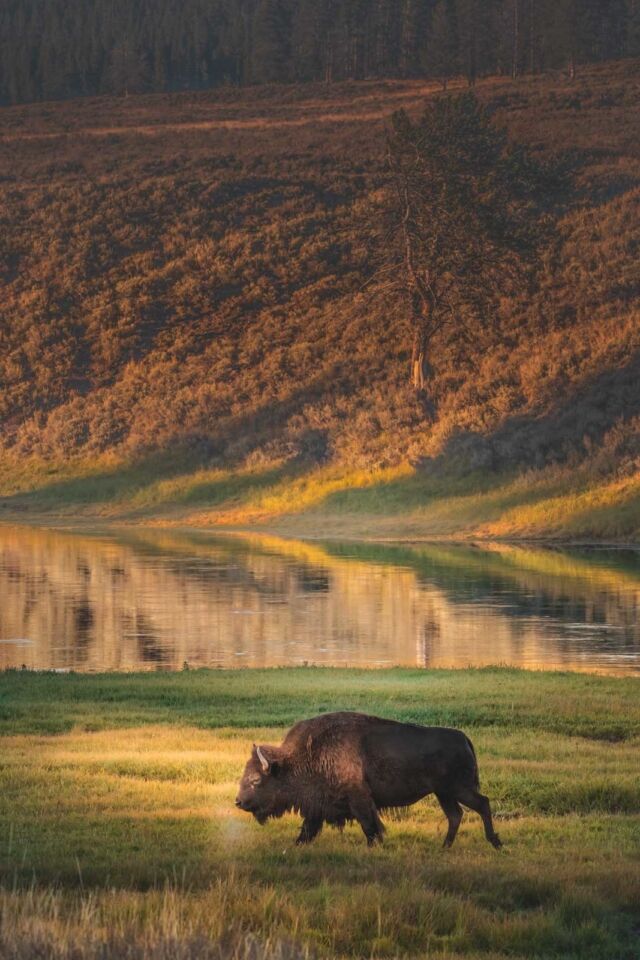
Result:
x=397 y=503
x=119 y=826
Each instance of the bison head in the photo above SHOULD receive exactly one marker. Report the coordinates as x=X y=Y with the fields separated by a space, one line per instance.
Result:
x=262 y=790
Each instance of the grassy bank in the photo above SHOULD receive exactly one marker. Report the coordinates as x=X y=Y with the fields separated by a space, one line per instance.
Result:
x=118 y=835
x=300 y=500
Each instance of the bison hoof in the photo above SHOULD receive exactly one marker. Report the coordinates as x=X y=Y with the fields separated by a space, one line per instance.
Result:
x=496 y=841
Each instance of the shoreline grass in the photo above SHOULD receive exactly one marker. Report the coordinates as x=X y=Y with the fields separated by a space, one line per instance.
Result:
x=119 y=837
x=398 y=503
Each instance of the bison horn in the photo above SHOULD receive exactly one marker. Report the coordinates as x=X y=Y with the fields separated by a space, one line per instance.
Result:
x=264 y=763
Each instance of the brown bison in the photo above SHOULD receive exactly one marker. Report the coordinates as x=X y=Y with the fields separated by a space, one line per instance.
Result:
x=349 y=766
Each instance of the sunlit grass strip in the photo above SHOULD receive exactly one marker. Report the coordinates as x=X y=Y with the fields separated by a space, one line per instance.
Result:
x=389 y=503
x=175 y=924
x=603 y=510
x=302 y=493
x=549 y=504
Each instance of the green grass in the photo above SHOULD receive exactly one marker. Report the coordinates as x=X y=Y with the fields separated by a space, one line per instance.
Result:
x=572 y=705
x=302 y=500
x=118 y=834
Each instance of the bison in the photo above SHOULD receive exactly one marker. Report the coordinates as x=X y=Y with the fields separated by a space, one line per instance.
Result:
x=346 y=766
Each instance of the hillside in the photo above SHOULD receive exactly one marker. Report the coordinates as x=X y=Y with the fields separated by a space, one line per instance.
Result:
x=192 y=327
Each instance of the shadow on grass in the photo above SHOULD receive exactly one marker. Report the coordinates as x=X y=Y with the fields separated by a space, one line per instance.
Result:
x=156 y=486
x=134 y=480
x=475 y=480
x=422 y=506
x=479 y=496
x=525 y=461
x=228 y=489
x=102 y=487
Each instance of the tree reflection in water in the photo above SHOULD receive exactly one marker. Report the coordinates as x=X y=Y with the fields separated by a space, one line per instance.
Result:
x=155 y=599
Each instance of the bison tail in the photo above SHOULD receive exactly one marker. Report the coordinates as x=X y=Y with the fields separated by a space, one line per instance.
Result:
x=476 y=774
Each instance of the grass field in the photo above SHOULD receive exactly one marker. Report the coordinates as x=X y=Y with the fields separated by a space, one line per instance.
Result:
x=119 y=838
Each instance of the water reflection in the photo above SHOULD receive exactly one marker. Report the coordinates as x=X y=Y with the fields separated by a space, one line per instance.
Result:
x=144 y=599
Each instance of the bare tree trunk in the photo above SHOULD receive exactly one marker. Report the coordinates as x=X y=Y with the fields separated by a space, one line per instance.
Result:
x=420 y=307
x=422 y=373
x=473 y=46
x=406 y=38
x=328 y=63
x=329 y=49
x=515 y=39
x=573 y=22
x=418 y=362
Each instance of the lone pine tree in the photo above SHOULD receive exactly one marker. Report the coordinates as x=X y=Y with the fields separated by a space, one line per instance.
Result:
x=463 y=219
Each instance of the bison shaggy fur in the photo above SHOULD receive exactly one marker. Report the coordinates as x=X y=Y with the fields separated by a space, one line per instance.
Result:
x=340 y=767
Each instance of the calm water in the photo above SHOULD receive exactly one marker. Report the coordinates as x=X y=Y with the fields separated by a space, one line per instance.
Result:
x=128 y=600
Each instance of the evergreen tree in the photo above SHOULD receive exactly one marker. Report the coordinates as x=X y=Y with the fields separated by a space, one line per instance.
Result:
x=442 y=57
x=308 y=35
x=128 y=71
x=64 y=48
x=469 y=16
x=632 y=29
x=271 y=42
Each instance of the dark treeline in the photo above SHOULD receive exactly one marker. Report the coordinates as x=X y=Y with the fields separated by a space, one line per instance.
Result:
x=66 y=48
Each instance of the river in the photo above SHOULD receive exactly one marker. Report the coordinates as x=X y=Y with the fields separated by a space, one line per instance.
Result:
x=153 y=599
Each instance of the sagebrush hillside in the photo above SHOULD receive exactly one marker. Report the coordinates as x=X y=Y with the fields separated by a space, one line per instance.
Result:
x=189 y=289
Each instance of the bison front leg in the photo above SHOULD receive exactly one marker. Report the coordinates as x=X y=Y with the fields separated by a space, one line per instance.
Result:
x=364 y=810
x=311 y=827
x=453 y=812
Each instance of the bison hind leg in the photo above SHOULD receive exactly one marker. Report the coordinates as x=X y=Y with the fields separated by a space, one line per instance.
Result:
x=478 y=802
x=453 y=813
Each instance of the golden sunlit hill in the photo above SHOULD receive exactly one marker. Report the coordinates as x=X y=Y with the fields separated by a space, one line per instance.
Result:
x=195 y=327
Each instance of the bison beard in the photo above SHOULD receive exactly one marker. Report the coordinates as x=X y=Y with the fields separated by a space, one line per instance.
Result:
x=340 y=767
